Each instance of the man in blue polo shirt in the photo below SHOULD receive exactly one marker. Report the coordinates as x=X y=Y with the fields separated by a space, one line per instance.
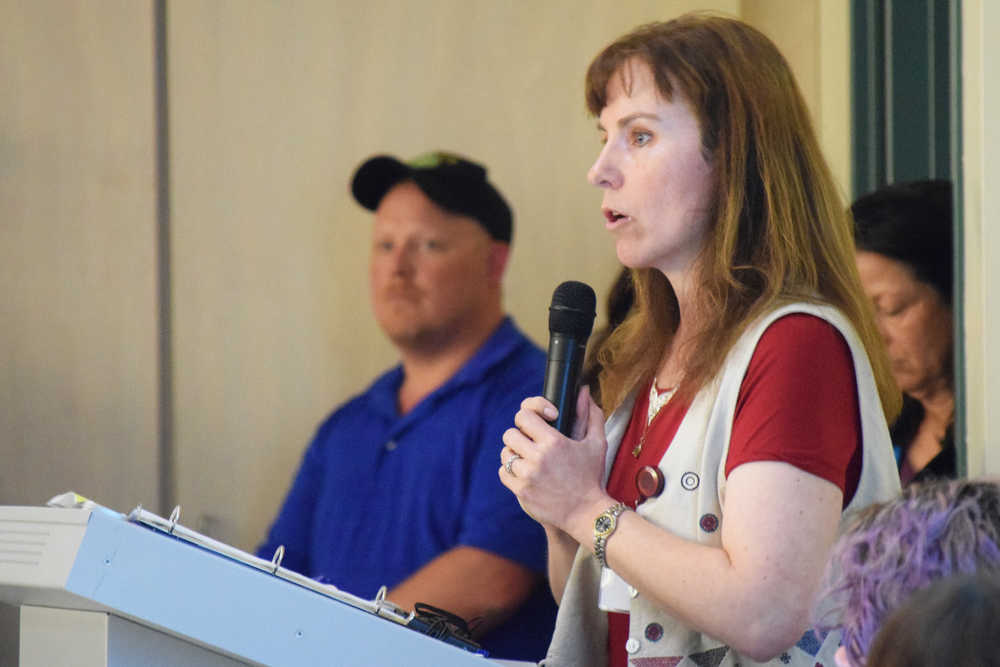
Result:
x=399 y=487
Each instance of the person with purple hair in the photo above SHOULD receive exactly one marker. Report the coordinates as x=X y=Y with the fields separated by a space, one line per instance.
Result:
x=932 y=531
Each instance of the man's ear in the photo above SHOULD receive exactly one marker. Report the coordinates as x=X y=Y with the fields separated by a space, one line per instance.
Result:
x=499 y=252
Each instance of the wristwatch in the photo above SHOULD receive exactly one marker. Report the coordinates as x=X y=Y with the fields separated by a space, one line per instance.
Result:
x=604 y=525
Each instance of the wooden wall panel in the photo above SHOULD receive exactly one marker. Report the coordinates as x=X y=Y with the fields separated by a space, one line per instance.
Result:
x=981 y=202
x=77 y=275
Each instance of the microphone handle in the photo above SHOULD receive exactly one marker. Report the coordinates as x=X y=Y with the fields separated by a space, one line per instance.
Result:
x=562 y=378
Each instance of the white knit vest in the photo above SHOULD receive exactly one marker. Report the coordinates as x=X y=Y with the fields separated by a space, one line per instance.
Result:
x=692 y=506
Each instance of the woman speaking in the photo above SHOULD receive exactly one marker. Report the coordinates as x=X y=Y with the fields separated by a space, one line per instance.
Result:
x=748 y=388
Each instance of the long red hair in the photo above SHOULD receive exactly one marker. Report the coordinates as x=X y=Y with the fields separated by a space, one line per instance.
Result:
x=780 y=231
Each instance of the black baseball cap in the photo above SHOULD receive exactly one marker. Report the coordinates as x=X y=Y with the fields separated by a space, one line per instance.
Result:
x=450 y=181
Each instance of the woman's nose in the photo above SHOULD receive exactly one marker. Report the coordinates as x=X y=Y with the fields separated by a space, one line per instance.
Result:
x=884 y=328
x=604 y=173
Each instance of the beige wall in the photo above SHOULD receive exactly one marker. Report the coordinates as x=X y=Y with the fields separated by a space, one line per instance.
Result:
x=981 y=201
x=815 y=38
x=77 y=250
x=272 y=105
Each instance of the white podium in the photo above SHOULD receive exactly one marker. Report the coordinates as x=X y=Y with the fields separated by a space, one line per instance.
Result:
x=96 y=590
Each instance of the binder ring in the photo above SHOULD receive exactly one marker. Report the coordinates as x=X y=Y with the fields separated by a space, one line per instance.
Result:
x=279 y=554
x=380 y=598
x=174 y=516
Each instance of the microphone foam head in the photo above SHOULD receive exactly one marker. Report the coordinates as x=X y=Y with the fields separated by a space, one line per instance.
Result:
x=572 y=310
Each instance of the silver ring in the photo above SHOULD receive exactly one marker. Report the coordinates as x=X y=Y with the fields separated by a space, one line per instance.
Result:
x=510 y=462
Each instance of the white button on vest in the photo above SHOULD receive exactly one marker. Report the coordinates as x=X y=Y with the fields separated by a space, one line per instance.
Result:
x=632 y=645
x=391 y=445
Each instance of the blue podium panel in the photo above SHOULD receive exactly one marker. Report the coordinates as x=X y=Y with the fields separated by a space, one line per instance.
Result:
x=206 y=598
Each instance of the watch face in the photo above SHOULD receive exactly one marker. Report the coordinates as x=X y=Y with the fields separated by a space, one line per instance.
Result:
x=604 y=524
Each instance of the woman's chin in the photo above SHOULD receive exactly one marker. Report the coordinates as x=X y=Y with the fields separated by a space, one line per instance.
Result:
x=628 y=256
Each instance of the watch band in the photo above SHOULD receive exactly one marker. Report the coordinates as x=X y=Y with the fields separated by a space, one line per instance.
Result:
x=604 y=525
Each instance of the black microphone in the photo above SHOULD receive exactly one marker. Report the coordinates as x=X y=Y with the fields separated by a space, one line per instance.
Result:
x=571 y=318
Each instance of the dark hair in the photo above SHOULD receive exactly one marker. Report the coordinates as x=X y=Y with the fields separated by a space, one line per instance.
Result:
x=932 y=531
x=955 y=621
x=911 y=223
x=619 y=302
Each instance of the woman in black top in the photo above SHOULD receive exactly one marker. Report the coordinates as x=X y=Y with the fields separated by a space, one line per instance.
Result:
x=904 y=239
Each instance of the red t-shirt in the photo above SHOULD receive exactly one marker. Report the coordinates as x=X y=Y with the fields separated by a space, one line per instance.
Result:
x=797 y=404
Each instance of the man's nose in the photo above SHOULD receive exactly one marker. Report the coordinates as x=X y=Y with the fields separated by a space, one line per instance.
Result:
x=403 y=258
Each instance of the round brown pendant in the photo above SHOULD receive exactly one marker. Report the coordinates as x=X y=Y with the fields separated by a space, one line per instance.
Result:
x=649 y=482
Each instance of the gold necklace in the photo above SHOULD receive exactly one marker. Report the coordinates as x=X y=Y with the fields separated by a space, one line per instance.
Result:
x=657 y=400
